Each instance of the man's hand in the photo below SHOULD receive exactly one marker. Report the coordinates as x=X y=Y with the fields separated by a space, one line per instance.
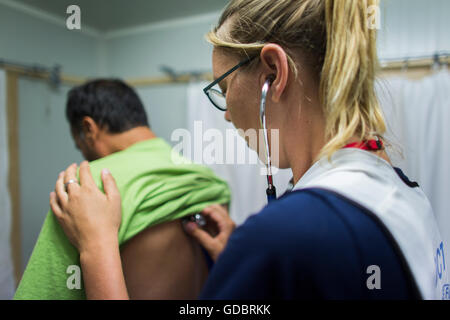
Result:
x=213 y=243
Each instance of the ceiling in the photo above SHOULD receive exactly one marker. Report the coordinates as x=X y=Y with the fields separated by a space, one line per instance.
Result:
x=110 y=15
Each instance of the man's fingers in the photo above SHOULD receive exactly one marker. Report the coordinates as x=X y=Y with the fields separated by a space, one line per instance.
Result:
x=86 y=178
x=71 y=175
x=110 y=186
x=60 y=191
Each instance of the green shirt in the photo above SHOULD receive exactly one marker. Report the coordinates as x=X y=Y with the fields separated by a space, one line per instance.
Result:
x=156 y=186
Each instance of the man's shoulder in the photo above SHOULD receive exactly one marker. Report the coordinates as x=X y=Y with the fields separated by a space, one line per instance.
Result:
x=155 y=149
x=153 y=158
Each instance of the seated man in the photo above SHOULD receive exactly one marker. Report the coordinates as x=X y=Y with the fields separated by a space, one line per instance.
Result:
x=158 y=187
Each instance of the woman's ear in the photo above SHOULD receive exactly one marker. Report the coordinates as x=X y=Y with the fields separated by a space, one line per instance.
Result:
x=275 y=65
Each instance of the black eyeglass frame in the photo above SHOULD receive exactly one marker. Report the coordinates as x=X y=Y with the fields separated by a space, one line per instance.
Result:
x=226 y=74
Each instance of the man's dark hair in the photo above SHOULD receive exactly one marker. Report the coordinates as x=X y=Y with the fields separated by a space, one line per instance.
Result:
x=111 y=103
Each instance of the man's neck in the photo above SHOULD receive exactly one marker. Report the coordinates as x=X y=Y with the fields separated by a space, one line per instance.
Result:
x=121 y=141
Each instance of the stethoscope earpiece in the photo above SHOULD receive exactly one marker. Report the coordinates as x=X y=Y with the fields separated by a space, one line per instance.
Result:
x=270 y=79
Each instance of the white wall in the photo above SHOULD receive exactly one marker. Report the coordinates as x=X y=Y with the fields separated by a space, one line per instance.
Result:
x=30 y=39
x=413 y=28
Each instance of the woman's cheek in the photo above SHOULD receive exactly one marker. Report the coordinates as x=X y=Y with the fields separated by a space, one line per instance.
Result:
x=243 y=106
x=234 y=113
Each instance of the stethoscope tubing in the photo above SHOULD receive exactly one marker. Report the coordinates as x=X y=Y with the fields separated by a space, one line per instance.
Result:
x=271 y=190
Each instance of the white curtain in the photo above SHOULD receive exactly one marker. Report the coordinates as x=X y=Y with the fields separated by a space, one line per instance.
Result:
x=418 y=116
x=6 y=266
x=247 y=184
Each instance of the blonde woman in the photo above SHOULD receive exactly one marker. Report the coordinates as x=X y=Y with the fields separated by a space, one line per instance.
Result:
x=354 y=227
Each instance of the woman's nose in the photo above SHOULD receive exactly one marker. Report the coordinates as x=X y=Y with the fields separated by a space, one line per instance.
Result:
x=227 y=116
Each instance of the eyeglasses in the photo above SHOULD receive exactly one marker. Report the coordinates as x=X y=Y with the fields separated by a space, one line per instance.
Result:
x=216 y=96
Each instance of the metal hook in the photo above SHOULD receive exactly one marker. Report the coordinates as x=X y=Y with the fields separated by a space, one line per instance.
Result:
x=405 y=65
x=436 y=62
x=55 y=76
x=446 y=56
x=169 y=71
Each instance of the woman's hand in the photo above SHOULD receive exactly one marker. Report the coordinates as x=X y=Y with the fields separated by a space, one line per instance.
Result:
x=89 y=217
x=213 y=241
x=91 y=220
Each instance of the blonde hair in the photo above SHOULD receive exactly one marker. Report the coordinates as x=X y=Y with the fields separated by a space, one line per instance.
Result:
x=335 y=36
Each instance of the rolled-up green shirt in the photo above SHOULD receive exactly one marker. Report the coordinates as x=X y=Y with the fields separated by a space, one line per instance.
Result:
x=156 y=186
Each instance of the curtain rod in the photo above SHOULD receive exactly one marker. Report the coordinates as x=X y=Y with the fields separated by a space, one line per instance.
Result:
x=52 y=74
x=440 y=58
x=55 y=77
x=388 y=65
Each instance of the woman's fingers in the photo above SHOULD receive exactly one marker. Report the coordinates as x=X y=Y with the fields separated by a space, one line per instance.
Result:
x=110 y=186
x=205 y=239
x=71 y=175
x=85 y=213
x=216 y=211
x=61 y=194
x=213 y=244
x=86 y=178
x=217 y=207
x=220 y=216
x=57 y=211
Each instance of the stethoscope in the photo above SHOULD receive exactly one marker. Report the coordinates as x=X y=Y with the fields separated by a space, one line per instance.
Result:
x=271 y=191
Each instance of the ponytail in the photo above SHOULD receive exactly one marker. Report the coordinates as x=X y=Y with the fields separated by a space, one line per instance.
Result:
x=348 y=75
